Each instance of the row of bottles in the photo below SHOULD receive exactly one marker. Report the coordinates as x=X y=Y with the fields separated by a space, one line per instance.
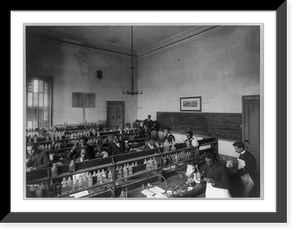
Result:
x=176 y=157
x=64 y=126
x=79 y=182
x=51 y=146
x=151 y=164
x=125 y=170
x=49 y=136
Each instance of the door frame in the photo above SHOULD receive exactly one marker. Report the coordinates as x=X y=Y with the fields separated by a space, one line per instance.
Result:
x=248 y=98
x=111 y=103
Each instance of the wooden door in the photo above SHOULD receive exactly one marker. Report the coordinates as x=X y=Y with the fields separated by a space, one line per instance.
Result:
x=115 y=114
x=251 y=126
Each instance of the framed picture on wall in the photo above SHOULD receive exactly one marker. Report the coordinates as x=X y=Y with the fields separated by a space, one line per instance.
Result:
x=190 y=104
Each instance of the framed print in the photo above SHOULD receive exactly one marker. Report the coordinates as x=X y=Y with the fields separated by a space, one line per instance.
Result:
x=271 y=75
x=190 y=104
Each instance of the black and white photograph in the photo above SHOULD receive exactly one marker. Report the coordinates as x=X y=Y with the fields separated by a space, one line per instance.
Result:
x=102 y=106
x=148 y=117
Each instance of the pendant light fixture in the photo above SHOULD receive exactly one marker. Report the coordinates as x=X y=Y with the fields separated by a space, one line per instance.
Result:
x=132 y=91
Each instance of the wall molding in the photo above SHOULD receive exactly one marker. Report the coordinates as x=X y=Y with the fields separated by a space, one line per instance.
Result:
x=174 y=41
x=166 y=46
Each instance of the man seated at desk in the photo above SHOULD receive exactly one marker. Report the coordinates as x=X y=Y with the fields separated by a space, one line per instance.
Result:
x=36 y=159
x=117 y=146
x=76 y=150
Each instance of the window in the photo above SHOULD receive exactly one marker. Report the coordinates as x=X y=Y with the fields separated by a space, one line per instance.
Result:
x=38 y=101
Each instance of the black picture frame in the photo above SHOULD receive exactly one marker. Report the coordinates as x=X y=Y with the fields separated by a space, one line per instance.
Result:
x=191 y=104
x=280 y=216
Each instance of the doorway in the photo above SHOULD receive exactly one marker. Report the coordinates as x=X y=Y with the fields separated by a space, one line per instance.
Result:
x=251 y=129
x=115 y=114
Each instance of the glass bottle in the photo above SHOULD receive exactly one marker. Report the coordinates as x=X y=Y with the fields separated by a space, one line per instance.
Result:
x=130 y=170
x=125 y=171
x=99 y=177
x=120 y=172
x=103 y=176
x=72 y=167
x=54 y=171
x=109 y=177
x=80 y=183
x=90 y=180
x=69 y=185
x=64 y=186
x=75 y=184
x=85 y=181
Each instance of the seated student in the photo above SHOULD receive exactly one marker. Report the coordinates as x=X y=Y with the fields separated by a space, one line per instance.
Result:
x=127 y=128
x=76 y=150
x=117 y=146
x=83 y=155
x=127 y=132
x=36 y=159
x=168 y=136
x=141 y=131
x=191 y=141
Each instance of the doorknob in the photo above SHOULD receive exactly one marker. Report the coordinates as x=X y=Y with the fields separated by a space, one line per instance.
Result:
x=246 y=141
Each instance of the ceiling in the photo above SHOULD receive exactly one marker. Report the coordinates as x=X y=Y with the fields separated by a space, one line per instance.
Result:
x=117 y=38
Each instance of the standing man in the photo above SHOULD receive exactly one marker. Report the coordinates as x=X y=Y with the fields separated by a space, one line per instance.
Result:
x=148 y=124
x=247 y=169
x=216 y=177
x=36 y=159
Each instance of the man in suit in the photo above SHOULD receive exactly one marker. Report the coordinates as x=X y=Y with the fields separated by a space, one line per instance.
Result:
x=36 y=159
x=76 y=150
x=117 y=146
x=247 y=169
x=148 y=124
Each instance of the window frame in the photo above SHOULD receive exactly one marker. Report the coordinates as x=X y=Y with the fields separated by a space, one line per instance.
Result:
x=49 y=80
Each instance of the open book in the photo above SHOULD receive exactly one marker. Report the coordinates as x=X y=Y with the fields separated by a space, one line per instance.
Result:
x=154 y=192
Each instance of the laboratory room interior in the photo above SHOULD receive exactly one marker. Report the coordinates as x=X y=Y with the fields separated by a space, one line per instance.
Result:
x=143 y=111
